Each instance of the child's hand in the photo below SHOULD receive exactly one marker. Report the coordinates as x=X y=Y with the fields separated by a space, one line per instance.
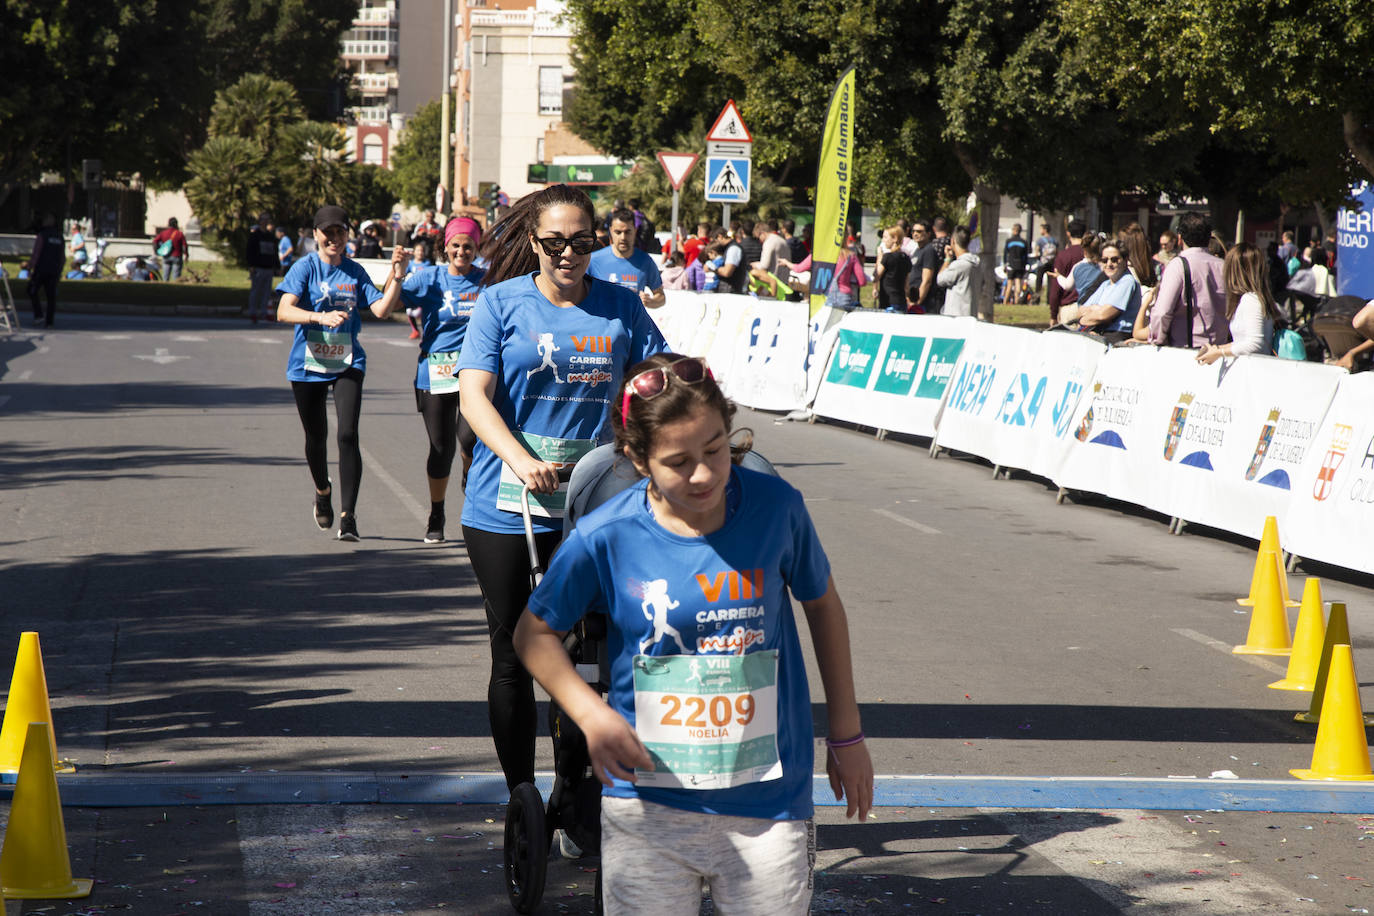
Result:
x=851 y=777
x=614 y=747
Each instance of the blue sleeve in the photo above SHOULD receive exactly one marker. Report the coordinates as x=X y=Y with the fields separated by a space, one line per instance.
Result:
x=571 y=586
x=413 y=289
x=295 y=280
x=366 y=287
x=653 y=279
x=806 y=566
x=482 y=345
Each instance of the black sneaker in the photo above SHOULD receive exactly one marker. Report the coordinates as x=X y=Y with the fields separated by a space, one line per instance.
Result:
x=434 y=533
x=324 y=510
x=348 y=528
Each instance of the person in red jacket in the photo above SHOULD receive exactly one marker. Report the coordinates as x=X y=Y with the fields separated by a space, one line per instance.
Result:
x=170 y=245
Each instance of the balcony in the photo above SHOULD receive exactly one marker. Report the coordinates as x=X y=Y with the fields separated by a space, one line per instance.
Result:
x=375 y=83
x=371 y=114
x=369 y=50
x=375 y=15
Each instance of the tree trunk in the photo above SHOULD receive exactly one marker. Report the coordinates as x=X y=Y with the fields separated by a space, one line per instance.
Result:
x=989 y=208
x=1359 y=139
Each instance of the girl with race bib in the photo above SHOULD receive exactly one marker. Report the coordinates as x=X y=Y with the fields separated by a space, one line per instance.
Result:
x=704 y=744
x=320 y=295
x=442 y=299
x=544 y=355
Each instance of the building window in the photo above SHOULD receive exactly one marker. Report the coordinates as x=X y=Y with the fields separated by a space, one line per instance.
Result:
x=539 y=150
x=372 y=150
x=551 y=91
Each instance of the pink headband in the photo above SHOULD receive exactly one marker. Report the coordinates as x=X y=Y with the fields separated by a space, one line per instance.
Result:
x=462 y=225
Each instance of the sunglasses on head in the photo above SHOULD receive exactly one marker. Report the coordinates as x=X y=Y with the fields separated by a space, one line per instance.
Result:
x=650 y=383
x=556 y=245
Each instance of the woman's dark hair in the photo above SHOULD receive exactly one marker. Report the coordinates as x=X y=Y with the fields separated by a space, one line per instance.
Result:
x=634 y=435
x=1318 y=256
x=506 y=244
x=1137 y=252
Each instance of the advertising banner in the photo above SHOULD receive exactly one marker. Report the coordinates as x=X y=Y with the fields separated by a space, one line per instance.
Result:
x=1330 y=514
x=1355 y=244
x=890 y=371
x=771 y=375
x=833 y=176
x=988 y=364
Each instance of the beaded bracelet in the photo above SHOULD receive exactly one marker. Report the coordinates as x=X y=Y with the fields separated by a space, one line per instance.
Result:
x=848 y=742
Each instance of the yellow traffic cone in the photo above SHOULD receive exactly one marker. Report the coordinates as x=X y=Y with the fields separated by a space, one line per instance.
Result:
x=1308 y=638
x=1337 y=634
x=1341 y=751
x=27 y=702
x=34 y=864
x=1269 y=620
x=1269 y=544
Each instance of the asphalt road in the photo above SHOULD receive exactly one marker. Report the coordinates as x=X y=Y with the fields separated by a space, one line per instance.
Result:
x=155 y=530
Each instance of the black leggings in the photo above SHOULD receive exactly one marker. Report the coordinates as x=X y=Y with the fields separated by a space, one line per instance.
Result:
x=502 y=565
x=447 y=431
x=348 y=405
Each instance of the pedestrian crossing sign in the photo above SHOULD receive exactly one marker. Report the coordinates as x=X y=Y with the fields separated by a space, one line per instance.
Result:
x=727 y=179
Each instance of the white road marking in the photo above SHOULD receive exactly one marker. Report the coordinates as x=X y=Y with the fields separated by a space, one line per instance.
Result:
x=408 y=344
x=1258 y=661
x=394 y=485
x=910 y=523
x=161 y=356
x=25 y=375
x=265 y=340
x=1111 y=858
x=43 y=349
x=115 y=337
x=190 y=338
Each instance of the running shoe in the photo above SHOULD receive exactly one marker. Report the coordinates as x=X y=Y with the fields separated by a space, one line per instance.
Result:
x=324 y=510
x=414 y=334
x=434 y=532
x=348 y=528
x=566 y=847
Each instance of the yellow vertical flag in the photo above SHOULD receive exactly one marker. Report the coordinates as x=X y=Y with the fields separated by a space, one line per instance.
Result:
x=834 y=176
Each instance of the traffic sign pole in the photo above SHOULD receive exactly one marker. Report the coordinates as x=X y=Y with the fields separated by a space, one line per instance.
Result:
x=677 y=166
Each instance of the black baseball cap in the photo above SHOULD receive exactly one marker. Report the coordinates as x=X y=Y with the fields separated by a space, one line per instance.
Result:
x=330 y=215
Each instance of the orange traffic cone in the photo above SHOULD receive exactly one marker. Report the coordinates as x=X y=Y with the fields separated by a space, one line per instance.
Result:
x=1306 y=659
x=27 y=702
x=34 y=864
x=1341 y=751
x=1269 y=620
x=1337 y=634
x=1269 y=544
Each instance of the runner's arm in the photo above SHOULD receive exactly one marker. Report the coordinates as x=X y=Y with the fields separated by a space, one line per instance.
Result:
x=476 y=387
x=288 y=312
x=850 y=768
x=395 y=277
x=614 y=747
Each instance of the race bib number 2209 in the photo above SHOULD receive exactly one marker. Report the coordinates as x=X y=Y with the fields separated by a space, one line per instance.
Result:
x=708 y=721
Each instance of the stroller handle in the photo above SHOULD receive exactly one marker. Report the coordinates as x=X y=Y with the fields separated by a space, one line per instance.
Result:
x=536 y=569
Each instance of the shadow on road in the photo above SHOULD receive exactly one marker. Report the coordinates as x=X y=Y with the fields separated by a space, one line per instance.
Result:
x=118 y=396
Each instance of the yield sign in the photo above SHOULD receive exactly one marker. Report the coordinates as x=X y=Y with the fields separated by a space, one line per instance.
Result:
x=677 y=165
x=729 y=126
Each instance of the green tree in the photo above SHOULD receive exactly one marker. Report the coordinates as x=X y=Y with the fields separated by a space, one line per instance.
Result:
x=415 y=158
x=227 y=190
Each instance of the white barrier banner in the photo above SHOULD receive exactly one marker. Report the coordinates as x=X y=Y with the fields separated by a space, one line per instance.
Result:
x=679 y=318
x=1236 y=437
x=771 y=375
x=890 y=371
x=1116 y=447
x=824 y=331
x=1015 y=396
x=1331 y=511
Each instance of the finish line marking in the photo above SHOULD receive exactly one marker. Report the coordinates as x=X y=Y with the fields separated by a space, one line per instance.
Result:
x=1038 y=792
x=1225 y=649
x=903 y=520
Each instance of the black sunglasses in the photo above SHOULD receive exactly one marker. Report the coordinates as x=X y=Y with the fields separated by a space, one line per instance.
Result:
x=556 y=245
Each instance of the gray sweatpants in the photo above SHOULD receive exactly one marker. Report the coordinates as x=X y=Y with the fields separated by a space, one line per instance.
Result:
x=654 y=859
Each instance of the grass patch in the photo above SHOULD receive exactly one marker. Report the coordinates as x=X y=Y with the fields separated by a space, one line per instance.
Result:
x=225 y=285
x=1031 y=315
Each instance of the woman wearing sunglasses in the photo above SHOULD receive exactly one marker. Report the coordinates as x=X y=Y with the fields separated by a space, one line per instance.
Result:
x=545 y=353
x=704 y=744
x=1111 y=309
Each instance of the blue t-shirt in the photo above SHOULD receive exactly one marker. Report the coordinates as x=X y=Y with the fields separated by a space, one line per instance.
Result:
x=556 y=370
x=445 y=304
x=320 y=287
x=619 y=548
x=637 y=272
x=1084 y=274
x=284 y=250
x=1124 y=294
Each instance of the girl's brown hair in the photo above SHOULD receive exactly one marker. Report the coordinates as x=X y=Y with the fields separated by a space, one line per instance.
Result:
x=1137 y=252
x=635 y=432
x=1246 y=270
x=506 y=245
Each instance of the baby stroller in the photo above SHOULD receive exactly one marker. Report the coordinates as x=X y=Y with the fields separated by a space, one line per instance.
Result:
x=574 y=804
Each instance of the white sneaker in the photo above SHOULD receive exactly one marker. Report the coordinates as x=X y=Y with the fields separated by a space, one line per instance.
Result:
x=566 y=846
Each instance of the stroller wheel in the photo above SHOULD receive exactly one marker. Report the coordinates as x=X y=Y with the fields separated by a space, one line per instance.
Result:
x=527 y=848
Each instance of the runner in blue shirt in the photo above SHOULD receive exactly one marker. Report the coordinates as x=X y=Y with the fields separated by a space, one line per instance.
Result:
x=442 y=299
x=625 y=265
x=544 y=355
x=705 y=742
x=320 y=295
